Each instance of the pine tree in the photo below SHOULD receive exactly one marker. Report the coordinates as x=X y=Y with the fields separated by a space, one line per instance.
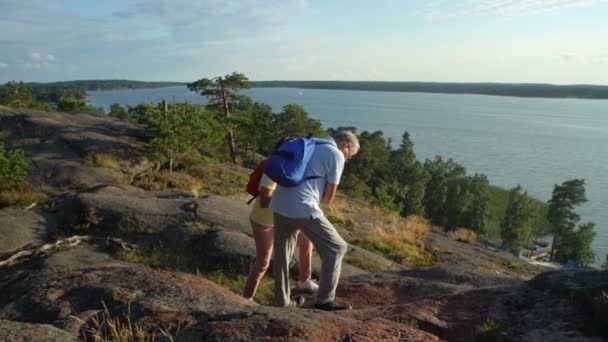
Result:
x=561 y=212
x=515 y=229
x=221 y=93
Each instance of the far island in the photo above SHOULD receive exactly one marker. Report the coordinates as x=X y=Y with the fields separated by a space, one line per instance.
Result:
x=582 y=91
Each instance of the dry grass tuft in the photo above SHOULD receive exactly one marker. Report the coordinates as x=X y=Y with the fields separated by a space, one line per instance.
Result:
x=220 y=179
x=335 y=214
x=402 y=243
x=466 y=236
x=102 y=160
x=176 y=180
x=24 y=197
x=105 y=328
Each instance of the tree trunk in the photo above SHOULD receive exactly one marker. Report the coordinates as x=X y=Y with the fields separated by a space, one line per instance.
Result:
x=227 y=115
x=552 y=248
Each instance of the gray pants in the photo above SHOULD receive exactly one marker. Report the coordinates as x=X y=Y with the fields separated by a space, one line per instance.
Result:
x=327 y=241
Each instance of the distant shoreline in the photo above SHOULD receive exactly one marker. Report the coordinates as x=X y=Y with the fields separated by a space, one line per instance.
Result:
x=529 y=90
x=526 y=90
x=97 y=85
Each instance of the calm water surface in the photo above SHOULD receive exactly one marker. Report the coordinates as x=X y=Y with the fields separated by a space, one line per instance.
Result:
x=533 y=142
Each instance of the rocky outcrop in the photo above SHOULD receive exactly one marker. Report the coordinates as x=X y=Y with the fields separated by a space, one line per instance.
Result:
x=125 y=209
x=20 y=228
x=67 y=297
x=57 y=144
x=224 y=212
x=26 y=332
x=555 y=306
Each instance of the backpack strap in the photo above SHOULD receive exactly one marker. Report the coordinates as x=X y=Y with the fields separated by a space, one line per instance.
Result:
x=252 y=198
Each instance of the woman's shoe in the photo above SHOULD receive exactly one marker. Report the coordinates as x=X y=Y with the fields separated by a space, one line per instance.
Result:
x=309 y=285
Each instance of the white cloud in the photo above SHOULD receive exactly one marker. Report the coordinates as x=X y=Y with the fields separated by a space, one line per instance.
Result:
x=3 y=66
x=215 y=19
x=603 y=59
x=443 y=9
x=589 y=59
x=37 y=60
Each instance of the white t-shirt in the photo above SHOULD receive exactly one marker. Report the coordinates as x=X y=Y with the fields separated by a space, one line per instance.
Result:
x=302 y=201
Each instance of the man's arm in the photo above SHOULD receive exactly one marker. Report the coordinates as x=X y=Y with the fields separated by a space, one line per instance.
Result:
x=330 y=193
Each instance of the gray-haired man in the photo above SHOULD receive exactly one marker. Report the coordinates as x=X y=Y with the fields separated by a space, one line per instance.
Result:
x=298 y=208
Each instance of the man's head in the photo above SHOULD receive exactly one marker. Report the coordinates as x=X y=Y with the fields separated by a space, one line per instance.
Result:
x=347 y=142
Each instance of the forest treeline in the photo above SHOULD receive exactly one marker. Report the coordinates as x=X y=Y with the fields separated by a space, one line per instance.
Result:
x=106 y=84
x=231 y=127
x=582 y=91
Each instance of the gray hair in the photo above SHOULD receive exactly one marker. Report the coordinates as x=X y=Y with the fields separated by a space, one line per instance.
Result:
x=347 y=137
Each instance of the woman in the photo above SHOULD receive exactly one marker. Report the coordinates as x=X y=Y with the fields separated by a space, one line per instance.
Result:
x=262 y=224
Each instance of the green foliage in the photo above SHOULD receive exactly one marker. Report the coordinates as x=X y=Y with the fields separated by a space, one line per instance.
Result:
x=562 y=203
x=84 y=85
x=605 y=265
x=53 y=93
x=221 y=91
x=70 y=104
x=293 y=120
x=222 y=95
x=568 y=244
x=392 y=179
x=181 y=128
x=488 y=331
x=16 y=95
x=576 y=246
x=141 y=112
x=497 y=206
x=254 y=130
x=411 y=176
x=453 y=199
x=37 y=96
x=515 y=228
x=13 y=168
x=117 y=111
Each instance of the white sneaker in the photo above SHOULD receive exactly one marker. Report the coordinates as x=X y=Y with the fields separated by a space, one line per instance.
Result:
x=309 y=285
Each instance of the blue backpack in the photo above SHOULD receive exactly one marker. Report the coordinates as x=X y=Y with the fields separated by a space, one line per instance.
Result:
x=287 y=165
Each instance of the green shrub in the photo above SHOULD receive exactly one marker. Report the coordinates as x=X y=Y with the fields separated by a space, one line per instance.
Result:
x=488 y=331
x=13 y=168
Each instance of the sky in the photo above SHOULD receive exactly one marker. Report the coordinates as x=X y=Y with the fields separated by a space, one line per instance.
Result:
x=531 y=41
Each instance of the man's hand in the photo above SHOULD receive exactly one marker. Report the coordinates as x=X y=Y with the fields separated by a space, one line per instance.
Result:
x=330 y=193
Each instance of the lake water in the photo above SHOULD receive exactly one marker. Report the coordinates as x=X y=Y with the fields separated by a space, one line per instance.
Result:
x=529 y=141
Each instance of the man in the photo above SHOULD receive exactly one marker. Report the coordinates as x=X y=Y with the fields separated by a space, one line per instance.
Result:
x=298 y=208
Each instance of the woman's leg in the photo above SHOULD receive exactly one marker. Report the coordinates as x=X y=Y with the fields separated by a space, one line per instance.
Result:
x=305 y=255
x=263 y=236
